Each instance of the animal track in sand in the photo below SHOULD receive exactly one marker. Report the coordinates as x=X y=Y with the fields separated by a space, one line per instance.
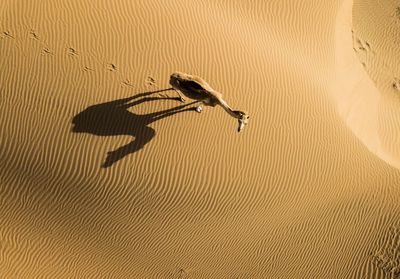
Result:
x=127 y=83
x=150 y=81
x=387 y=257
x=47 y=51
x=184 y=273
x=86 y=68
x=397 y=13
x=111 y=67
x=396 y=84
x=8 y=34
x=33 y=34
x=359 y=44
x=72 y=51
x=364 y=50
x=368 y=57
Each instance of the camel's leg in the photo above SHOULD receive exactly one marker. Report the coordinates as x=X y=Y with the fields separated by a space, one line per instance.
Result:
x=199 y=108
x=180 y=95
x=164 y=95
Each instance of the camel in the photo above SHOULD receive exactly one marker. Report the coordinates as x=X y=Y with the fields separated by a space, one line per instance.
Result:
x=196 y=88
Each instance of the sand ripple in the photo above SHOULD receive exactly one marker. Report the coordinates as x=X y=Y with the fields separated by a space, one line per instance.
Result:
x=296 y=195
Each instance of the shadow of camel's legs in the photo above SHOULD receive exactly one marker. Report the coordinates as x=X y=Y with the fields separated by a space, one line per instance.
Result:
x=146 y=135
x=168 y=112
x=142 y=136
x=124 y=101
x=144 y=100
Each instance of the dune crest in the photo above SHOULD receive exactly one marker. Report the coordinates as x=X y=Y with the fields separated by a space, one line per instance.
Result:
x=364 y=108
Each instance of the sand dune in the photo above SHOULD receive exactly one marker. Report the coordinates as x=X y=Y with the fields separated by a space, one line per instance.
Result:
x=103 y=175
x=370 y=106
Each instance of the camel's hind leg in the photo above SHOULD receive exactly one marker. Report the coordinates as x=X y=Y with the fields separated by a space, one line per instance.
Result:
x=180 y=95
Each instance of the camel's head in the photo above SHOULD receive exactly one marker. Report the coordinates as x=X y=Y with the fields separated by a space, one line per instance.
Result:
x=243 y=119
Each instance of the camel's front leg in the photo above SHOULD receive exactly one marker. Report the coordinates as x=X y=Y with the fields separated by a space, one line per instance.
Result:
x=199 y=108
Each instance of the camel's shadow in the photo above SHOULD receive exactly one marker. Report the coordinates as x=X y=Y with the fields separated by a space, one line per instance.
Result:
x=113 y=118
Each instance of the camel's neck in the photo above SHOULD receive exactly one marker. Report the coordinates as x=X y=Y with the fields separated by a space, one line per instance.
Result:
x=227 y=108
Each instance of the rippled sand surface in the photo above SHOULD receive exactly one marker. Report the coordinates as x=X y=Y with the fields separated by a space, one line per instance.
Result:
x=105 y=175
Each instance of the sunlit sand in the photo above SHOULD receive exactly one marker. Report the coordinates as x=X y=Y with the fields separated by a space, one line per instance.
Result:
x=106 y=173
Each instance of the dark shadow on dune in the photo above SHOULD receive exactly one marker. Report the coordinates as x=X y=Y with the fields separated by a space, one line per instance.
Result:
x=113 y=118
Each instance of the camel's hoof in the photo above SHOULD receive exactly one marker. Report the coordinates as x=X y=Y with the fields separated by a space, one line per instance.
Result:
x=199 y=109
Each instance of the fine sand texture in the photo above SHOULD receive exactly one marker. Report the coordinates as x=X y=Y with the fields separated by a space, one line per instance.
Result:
x=105 y=174
x=368 y=93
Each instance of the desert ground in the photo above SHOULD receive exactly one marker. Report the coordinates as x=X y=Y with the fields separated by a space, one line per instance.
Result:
x=105 y=174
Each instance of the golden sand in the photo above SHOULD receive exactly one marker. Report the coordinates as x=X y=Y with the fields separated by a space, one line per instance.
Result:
x=104 y=175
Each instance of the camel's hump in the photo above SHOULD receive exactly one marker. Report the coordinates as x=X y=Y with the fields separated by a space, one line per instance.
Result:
x=195 y=82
